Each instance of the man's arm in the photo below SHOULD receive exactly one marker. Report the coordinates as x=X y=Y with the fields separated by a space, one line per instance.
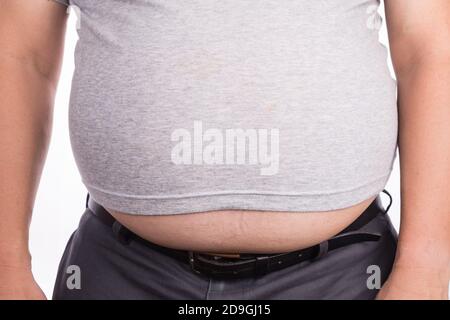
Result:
x=419 y=34
x=31 y=45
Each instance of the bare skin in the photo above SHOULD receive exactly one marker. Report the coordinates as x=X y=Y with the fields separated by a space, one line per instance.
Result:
x=31 y=42
x=238 y=231
x=419 y=36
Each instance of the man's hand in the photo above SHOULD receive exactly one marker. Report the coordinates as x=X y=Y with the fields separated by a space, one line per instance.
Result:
x=31 y=47
x=16 y=279
x=419 y=37
x=17 y=283
x=410 y=283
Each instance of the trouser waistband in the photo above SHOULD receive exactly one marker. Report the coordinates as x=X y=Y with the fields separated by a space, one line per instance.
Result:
x=250 y=264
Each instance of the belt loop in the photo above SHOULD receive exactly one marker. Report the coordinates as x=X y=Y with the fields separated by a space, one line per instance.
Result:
x=87 y=200
x=122 y=234
x=390 y=201
x=191 y=258
x=261 y=265
x=323 y=249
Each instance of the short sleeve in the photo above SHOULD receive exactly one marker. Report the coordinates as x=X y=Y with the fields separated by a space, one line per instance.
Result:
x=65 y=2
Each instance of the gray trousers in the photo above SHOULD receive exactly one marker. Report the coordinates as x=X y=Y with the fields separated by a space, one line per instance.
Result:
x=95 y=265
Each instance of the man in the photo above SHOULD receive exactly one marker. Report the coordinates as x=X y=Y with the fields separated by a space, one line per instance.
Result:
x=163 y=87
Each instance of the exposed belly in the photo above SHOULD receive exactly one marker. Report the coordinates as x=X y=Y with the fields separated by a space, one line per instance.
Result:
x=239 y=231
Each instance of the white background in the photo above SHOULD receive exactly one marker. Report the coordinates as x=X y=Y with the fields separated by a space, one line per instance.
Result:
x=61 y=197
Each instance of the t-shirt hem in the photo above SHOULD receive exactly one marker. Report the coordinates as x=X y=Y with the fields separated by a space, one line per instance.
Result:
x=63 y=2
x=136 y=205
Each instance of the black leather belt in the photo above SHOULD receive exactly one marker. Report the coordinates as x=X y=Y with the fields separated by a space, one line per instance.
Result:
x=247 y=265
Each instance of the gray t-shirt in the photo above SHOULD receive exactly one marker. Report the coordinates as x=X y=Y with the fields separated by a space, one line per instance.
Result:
x=194 y=105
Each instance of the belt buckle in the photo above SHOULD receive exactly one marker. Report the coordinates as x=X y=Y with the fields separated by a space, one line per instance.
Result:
x=193 y=256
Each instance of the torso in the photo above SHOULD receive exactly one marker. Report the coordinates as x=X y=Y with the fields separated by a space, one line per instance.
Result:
x=238 y=231
x=232 y=126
